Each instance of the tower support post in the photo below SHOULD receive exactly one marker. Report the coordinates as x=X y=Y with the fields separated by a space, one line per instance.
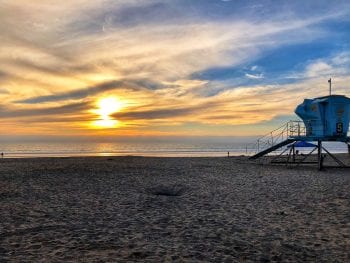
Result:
x=319 y=155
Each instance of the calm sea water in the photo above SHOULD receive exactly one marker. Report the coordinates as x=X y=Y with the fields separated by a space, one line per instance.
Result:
x=163 y=148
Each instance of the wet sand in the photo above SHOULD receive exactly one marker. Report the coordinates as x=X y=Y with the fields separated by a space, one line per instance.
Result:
x=127 y=209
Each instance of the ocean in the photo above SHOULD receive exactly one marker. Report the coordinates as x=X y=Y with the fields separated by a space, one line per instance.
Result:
x=163 y=148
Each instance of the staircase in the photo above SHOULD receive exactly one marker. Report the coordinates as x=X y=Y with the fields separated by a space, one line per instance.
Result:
x=276 y=139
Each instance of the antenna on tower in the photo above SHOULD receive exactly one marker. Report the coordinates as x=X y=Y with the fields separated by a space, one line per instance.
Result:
x=330 y=86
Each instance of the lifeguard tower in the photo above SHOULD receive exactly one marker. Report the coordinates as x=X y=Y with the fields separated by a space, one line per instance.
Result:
x=324 y=119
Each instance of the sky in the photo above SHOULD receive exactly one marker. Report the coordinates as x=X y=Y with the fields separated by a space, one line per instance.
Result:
x=166 y=67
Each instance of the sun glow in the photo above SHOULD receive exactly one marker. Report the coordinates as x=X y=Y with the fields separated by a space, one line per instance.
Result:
x=107 y=106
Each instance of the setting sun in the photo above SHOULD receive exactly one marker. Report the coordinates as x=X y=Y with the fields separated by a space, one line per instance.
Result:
x=107 y=106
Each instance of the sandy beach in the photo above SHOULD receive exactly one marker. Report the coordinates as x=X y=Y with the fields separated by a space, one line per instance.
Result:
x=127 y=209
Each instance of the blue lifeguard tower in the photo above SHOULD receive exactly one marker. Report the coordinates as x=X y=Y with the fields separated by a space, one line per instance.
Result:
x=323 y=119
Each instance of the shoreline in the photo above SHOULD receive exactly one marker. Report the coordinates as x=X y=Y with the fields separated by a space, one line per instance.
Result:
x=178 y=154
x=341 y=155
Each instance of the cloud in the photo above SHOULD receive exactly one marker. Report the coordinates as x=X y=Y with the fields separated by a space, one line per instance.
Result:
x=160 y=58
x=337 y=65
x=76 y=94
x=341 y=59
x=161 y=52
x=256 y=76
x=148 y=52
x=47 y=67
x=44 y=111
x=3 y=74
x=168 y=112
x=4 y=91
x=319 y=69
x=155 y=114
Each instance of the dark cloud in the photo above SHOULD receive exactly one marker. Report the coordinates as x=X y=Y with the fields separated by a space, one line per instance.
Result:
x=57 y=119
x=46 y=111
x=224 y=117
x=97 y=21
x=3 y=75
x=153 y=114
x=75 y=94
x=135 y=85
x=50 y=68
x=3 y=91
x=148 y=13
x=148 y=84
x=19 y=39
x=164 y=113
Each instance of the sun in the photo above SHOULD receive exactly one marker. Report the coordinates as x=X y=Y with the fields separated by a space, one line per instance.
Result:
x=105 y=107
x=108 y=106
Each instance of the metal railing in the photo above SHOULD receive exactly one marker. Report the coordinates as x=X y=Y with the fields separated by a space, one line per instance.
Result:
x=287 y=130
